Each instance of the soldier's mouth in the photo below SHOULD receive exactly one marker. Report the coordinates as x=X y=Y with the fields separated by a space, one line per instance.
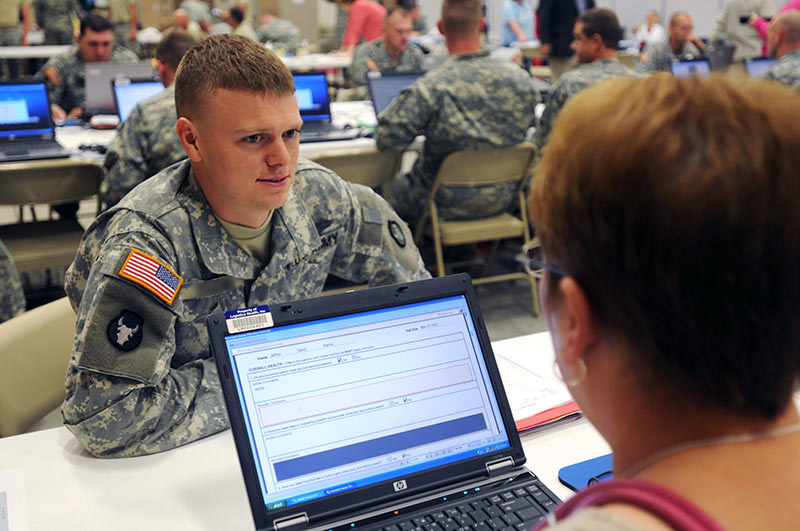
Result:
x=275 y=180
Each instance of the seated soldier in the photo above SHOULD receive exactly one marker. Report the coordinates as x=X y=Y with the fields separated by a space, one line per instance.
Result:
x=243 y=222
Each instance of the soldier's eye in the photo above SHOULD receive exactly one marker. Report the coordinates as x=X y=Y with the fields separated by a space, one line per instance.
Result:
x=253 y=139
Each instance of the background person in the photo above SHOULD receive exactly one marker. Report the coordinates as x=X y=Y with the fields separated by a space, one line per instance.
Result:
x=783 y=43
x=556 y=20
x=55 y=18
x=279 y=32
x=517 y=22
x=761 y=24
x=651 y=32
x=682 y=45
x=729 y=25
x=12 y=299
x=12 y=32
x=651 y=249
x=364 y=22
x=147 y=142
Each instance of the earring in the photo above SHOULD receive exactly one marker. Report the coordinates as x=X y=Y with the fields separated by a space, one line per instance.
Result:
x=576 y=377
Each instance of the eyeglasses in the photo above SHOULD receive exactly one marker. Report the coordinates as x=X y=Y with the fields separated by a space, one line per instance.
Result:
x=532 y=259
x=600 y=478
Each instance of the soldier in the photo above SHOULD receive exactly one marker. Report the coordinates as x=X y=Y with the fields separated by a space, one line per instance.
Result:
x=11 y=33
x=95 y=44
x=124 y=18
x=12 y=300
x=183 y=22
x=472 y=101
x=147 y=142
x=243 y=222
x=596 y=36
x=236 y=18
x=682 y=45
x=783 y=44
x=280 y=32
x=55 y=18
x=391 y=52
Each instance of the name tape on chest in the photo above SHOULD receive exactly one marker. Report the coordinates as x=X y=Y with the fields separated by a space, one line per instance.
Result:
x=152 y=275
x=248 y=319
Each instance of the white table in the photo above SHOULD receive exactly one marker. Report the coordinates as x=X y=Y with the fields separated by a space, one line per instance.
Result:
x=32 y=52
x=318 y=61
x=198 y=486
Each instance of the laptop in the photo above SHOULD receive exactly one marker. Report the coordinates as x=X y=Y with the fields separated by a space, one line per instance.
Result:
x=128 y=92
x=98 y=77
x=383 y=87
x=720 y=56
x=757 y=65
x=372 y=409
x=693 y=67
x=313 y=99
x=27 y=131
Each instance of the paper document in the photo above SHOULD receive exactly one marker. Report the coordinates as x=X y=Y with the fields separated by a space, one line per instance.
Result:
x=13 y=505
x=536 y=396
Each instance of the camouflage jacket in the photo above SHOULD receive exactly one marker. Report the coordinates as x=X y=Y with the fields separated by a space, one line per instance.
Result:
x=661 y=56
x=12 y=300
x=472 y=101
x=571 y=83
x=281 y=33
x=409 y=61
x=786 y=70
x=55 y=18
x=70 y=91
x=146 y=143
x=141 y=378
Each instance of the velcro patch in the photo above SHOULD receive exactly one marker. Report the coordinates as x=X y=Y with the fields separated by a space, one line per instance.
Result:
x=151 y=274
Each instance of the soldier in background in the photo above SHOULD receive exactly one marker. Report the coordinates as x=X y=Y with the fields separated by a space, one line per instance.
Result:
x=12 y=33
x=681 y=45
x=783 y=44
x=55 y=18
x=182 y=21
x=64 y=73
x=243 y=222
x=147 y=141
x=123 y=16
x=596 y=36
x=12 y=300
x=389 y=53
x=279 y=32
x=472 y=101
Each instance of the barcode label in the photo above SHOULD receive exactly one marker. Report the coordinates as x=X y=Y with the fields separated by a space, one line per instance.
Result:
x=250 y=322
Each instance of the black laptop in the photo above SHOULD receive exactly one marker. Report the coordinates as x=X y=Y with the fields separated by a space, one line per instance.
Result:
x=27 y=131
x=383 y=87
x=376 y=409
x=129 y=92
x=313 y=99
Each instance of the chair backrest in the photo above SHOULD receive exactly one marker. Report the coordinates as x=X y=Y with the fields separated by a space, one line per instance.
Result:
x=35 y=348
x=485 y=166
x=49 y=181
x=366 y=166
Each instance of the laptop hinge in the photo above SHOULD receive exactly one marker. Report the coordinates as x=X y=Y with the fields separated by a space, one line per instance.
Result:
x=493 y=467
x=291 y=522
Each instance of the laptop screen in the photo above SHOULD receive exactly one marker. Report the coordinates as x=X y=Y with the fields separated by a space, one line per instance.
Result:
x=384 y=88
x=129 y=92
x=311 y=91
x=24 y=110
x=98 y=77
x=757 y=65
x=698 y=67
x=339 y=403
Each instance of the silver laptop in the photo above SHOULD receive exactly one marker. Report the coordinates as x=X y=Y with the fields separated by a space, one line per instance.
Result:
x=27 y=131
x=376 y=409
x=98 y=77
x=383 y=87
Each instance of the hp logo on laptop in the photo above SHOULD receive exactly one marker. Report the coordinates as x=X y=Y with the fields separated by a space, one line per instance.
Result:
x=400 y=485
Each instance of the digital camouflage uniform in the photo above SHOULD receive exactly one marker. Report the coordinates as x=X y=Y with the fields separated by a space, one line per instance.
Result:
x=786 y=70
x=55 y=18
x=12 y=299
x=570 y=84
x=70 y=92
x=660 y=56
x=281 y=33
x=146 y=143
x=472 y=101
x=11 y=29
x=141 y=378
x=121 y=19
x=410 y=60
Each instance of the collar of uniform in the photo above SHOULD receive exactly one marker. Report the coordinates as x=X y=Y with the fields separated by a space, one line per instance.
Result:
x=294 y=235
x=471 y=55
x=219 y=252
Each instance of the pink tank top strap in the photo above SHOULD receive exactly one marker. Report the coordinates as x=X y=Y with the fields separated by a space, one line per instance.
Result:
x=675 y=510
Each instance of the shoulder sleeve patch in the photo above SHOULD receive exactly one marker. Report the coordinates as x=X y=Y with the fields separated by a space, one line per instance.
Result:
x=152 y=275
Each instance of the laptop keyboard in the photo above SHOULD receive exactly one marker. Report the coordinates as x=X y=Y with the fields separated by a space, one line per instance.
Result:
x=24 y=147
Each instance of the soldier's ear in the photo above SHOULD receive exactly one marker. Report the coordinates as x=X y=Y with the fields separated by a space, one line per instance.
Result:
x=188 y=138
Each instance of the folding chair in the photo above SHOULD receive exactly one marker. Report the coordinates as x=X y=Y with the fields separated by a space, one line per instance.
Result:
x=367 y=166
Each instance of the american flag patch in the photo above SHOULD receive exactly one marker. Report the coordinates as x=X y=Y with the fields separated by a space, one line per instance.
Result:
x=152 y=274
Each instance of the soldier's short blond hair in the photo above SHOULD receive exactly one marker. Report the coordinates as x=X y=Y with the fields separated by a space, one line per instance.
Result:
x=228 y=62
x=461 y=18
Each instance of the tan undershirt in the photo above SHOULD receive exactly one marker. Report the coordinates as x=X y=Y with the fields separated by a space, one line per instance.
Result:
x=255 y=241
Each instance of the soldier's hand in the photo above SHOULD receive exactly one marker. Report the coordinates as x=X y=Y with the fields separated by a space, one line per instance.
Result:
x=75 y=112
x=545 y=49
x=58 y=113
x=371 y=65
